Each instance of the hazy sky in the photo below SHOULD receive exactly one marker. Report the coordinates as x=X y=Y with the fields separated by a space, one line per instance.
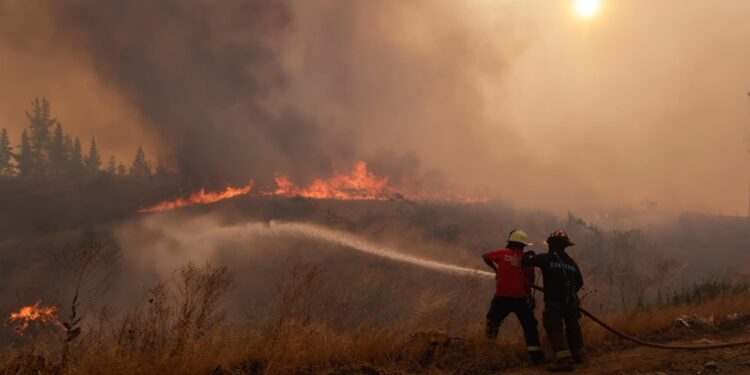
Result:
x=644 y=101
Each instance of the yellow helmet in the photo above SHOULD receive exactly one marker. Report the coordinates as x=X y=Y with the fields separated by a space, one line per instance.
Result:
x=519 y=236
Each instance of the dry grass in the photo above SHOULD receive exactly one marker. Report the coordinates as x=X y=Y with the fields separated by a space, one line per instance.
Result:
x=648 y=322
x=181 y=328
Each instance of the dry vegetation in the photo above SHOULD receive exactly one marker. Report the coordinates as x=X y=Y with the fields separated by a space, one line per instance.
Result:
x=180 y=327
x=344 y=313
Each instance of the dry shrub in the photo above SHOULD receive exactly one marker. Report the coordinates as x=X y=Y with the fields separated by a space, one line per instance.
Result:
x=199 y=291
x=648 y=322
x=89 y=266
x=180 y=328
x=299 y=298
x=304 y=336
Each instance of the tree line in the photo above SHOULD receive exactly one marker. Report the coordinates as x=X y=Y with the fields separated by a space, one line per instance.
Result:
x=45 y=149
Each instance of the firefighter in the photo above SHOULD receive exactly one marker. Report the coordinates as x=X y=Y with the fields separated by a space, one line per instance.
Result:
x=562 y=281
x=513 y=292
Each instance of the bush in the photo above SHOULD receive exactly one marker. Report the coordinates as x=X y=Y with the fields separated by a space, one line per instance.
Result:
x=709 y=290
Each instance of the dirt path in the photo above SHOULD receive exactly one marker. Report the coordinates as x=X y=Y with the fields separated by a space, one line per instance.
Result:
x=641 y=360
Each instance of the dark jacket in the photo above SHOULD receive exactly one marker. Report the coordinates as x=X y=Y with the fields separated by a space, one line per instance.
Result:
x=562 y=277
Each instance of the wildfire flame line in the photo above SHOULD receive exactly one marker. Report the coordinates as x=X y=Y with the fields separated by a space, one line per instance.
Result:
x=201 y=197
x=23 y=318
x=360 y=184
x=357 y=184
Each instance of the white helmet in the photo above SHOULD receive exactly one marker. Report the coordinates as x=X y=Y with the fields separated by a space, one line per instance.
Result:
x=519 y=236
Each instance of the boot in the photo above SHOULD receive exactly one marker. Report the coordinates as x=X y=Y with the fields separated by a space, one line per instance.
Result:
x=579 y=357
x=561 y=365
x=537 y=357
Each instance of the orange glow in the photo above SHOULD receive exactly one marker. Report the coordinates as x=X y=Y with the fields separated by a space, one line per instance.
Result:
x=201 y=197
x=22 y=319
x=359 y=184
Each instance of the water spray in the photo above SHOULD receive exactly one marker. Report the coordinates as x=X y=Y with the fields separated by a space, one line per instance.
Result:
x=359 y=244
x=353 y=242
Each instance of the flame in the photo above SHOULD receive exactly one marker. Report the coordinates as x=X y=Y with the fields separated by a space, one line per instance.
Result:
x=359 y=184
x=22 y=319
x=201 y=197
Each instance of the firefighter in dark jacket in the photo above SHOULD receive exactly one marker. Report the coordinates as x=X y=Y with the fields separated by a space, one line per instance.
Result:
x=562 y=281
x=513 y=292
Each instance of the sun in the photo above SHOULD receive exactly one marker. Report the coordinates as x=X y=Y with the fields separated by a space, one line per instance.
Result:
x=586 y=8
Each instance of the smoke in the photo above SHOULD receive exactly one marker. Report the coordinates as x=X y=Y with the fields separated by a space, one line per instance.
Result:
x=200 y=240
x=634 y=108
x=201 y=74
x=639 y=105
x=247 y=88
x=36 y=63
x=261 y=254
x=406 y=78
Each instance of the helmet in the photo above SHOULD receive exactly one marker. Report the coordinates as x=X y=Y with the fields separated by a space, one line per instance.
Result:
x=561 y=236
x=519 y=236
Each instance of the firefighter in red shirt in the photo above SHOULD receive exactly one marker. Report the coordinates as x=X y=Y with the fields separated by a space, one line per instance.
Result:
x=513 y=292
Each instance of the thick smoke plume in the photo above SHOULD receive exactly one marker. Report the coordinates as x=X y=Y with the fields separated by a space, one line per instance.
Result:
x=203 y=74
x=634 y=108
x=243 y=89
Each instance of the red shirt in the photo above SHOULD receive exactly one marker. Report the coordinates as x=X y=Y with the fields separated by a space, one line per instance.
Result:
x=513 y=280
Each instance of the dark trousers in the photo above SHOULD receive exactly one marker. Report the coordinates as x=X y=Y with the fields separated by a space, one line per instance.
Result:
x=499 y=310
x=568 y=341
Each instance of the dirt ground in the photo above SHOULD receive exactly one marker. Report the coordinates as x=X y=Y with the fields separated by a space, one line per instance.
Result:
x=629 y=359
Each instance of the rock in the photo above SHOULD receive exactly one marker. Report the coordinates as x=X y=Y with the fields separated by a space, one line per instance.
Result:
x=682 y=320
x=711 y=365
x=704 y=341
x=696 y=320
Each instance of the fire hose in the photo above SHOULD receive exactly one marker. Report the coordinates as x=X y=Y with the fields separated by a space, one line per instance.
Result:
x=653 y=344
x=355 y=243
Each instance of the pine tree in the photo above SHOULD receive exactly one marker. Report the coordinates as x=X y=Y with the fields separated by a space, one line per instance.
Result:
x=6 y=153
x=93 y=161
x=57 y=151
x=111 y=166
x=76 y=157
x=121 y=169
x=68 y=146
x=40 y=122
x=140 y=166
x=24 y=158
